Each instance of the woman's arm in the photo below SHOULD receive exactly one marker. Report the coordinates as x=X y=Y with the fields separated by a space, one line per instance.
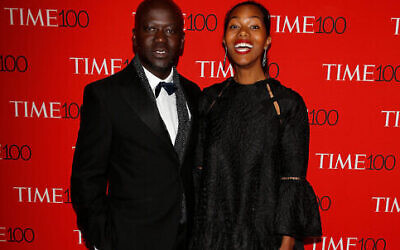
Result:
x=287 y=243
x=297 y=212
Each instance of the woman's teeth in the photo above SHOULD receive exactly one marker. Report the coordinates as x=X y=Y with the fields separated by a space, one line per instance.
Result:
x=243 y=47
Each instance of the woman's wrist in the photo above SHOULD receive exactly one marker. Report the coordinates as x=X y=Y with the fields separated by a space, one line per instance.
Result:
x=287 y=243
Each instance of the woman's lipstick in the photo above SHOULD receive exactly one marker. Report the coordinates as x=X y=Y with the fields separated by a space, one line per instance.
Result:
x=243 y=46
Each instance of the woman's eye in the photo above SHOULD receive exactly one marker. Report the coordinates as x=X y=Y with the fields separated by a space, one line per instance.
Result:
x=234 y=26
x=255 y=27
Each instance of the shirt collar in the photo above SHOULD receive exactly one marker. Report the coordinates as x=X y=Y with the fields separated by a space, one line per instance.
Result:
x=154 y=80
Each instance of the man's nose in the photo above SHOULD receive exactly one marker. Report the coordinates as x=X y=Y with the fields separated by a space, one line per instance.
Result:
x=160 y=36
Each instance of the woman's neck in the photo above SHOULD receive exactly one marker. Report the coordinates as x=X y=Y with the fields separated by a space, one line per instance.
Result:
x=249 y=75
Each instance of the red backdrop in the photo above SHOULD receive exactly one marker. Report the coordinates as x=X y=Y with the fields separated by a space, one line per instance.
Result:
x=341 y=56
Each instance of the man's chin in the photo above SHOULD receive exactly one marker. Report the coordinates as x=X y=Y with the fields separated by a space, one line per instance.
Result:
x=162 y=67
x=158 y=67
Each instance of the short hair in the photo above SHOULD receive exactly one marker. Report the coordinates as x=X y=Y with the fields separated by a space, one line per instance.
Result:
x=264 y=11
x=146 y=3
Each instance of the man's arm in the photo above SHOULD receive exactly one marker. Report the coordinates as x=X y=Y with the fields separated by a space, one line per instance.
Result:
x=88 y=179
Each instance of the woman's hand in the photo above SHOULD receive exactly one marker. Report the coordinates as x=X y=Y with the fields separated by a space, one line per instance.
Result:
x=287 y=243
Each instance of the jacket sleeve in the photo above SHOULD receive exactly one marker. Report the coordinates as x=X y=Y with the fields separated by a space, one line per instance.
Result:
x=297 y=211
x=89 y=168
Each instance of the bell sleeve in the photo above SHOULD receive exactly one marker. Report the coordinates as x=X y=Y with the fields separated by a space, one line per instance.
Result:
x=297 y=210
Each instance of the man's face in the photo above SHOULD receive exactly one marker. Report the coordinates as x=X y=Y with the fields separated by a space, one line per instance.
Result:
x=158 y=39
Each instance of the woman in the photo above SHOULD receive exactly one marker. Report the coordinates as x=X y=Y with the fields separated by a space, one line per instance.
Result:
x=254 y=153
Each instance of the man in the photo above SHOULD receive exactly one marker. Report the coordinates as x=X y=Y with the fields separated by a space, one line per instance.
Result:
x=131 y=183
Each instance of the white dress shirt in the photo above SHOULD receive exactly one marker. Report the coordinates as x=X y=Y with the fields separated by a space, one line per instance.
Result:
x=166 y=104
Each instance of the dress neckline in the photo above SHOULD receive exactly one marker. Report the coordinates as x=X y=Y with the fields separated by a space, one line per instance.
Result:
x=259 y=82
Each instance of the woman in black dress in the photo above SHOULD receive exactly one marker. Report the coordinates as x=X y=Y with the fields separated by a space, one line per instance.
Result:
x=254 y=151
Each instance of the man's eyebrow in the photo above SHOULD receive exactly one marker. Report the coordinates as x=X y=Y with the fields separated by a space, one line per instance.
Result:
x=155 y=23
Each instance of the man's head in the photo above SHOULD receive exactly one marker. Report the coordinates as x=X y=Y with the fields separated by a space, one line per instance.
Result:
x=158 y=35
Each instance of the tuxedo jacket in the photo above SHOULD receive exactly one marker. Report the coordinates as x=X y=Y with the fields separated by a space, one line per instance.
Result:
x=127 y=181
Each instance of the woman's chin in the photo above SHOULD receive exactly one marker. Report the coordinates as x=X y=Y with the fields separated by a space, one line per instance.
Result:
x=245 y=64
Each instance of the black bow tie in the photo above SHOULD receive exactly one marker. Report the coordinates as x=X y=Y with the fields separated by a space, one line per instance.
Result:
x=168 y=86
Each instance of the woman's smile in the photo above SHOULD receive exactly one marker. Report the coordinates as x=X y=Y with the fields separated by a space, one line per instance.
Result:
x=243 y=46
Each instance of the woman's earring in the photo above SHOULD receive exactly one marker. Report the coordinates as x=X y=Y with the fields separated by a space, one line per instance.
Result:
x=226 y=52
x=264 y=60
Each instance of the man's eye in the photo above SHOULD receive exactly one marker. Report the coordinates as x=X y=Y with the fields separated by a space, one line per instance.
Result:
x=255 y=27
x=233 y=26
x=149 y=28
x=170 y=31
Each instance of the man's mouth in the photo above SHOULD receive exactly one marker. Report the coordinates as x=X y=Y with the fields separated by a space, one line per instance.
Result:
x=243 y=46
x=160 y=52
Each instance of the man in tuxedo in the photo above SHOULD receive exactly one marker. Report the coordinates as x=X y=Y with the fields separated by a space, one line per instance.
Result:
x=131 y=183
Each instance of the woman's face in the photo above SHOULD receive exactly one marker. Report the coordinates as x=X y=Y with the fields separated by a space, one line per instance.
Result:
x=246 y=36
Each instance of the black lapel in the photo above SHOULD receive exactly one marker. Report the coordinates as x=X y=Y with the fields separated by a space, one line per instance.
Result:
x=190 y=100
x=143 y=104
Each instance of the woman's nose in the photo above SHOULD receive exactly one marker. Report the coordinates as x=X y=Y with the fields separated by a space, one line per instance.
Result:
x=243 y=32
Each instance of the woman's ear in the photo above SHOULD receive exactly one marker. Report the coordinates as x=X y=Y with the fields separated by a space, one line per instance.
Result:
x=267 y=42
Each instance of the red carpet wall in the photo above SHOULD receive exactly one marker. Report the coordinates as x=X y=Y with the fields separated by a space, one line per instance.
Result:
x=341 y=56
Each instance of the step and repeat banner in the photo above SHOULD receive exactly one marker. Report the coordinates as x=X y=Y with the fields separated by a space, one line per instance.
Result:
x=341 y=56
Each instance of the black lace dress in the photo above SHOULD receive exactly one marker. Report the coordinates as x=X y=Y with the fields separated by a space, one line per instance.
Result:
x=252 y=187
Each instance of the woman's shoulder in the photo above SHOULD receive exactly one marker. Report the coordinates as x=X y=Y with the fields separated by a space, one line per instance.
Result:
x=282 y=92
x=210 y=94
x=214 y=89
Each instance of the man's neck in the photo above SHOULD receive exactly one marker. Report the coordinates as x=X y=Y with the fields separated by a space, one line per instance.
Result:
x=159 y=74
x=154 y=79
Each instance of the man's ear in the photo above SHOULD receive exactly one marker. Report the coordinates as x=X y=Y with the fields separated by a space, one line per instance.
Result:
x=134 y=37
x=182 y=43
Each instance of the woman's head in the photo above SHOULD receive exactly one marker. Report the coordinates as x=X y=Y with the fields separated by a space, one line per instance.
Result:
x=247 y=33
x=264 y=11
